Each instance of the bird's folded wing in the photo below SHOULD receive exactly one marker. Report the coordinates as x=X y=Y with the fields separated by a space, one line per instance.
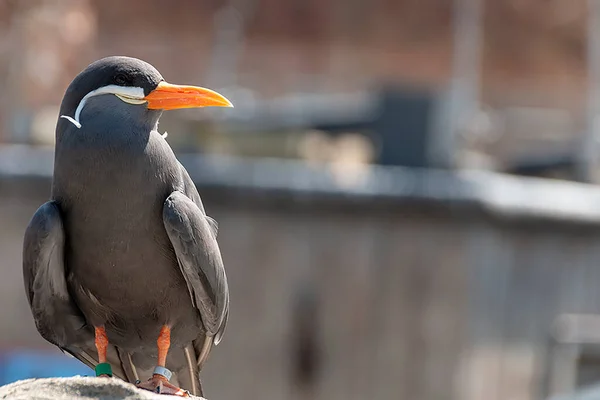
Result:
x=200 y=261
x=56 y=315
x=57 y=318
x=189 y=188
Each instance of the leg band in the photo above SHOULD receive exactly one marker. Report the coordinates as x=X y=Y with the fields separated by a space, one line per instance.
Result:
x=163 y=371
x=104 y=369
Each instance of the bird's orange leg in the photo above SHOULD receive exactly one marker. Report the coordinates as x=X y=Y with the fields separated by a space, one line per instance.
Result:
x=159 y=383
x=101 y=341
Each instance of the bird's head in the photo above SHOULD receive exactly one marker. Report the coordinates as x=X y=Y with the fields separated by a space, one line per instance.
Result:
x=125 y=86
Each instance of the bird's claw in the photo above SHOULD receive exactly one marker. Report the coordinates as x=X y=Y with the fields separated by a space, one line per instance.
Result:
x=159 y=384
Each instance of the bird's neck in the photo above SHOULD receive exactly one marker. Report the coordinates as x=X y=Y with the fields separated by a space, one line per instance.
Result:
x=90 y=158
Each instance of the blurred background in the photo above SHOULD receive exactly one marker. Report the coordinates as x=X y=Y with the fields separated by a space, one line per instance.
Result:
x=407 y=190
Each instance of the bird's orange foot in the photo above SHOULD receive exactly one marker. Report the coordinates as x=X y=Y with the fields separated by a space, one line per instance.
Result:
x=159 y=384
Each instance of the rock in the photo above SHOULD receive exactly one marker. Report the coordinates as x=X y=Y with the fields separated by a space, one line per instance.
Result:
x=76 y=388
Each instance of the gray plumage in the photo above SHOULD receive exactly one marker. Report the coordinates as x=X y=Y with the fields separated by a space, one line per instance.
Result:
x=124 y=241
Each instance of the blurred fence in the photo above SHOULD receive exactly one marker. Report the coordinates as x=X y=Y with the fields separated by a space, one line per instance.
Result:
x=411 y=284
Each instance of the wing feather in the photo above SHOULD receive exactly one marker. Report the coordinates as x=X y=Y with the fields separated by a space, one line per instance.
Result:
x=199 y=258
x=56 y=315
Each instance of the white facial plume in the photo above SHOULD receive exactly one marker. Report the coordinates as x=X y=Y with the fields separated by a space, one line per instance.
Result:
x=131 y=95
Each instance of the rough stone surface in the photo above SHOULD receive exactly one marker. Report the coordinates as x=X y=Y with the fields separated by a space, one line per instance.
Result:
x=78 y=388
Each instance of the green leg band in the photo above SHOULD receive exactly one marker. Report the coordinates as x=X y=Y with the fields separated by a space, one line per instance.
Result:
x=104 y=369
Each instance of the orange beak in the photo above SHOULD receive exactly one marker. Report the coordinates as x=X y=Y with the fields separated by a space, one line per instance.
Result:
x=167 y=96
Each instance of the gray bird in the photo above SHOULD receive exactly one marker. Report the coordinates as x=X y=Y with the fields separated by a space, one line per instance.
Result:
x=121 y=265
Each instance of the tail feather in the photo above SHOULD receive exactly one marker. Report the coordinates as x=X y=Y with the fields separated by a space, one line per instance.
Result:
x=188 y=376
x=129 y=369
x=88 y=355
x=203 y=349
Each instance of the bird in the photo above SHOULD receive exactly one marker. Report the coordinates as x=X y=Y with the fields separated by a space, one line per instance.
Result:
x=121 y=266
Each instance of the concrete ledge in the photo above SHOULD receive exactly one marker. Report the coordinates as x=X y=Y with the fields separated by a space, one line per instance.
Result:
x=76 y=388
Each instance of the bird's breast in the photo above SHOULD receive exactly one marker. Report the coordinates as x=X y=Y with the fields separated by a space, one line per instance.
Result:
x=118 y=252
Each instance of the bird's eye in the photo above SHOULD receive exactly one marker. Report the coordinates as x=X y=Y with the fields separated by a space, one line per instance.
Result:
x=120 y=79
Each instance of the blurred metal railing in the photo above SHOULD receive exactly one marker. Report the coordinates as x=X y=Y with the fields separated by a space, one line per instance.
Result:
x=500 y=195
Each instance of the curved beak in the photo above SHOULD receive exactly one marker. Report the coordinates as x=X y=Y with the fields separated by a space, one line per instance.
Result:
x=167 y=96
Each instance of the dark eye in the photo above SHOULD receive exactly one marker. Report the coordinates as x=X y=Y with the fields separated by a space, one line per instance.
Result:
x=120 y=79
